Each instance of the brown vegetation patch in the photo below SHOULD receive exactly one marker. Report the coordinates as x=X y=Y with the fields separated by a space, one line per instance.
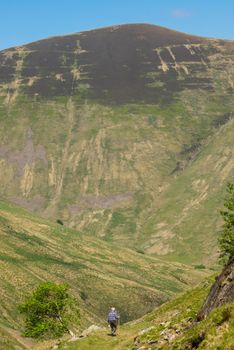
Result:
x=27 y=156
x=99 y=202
x=34 y=204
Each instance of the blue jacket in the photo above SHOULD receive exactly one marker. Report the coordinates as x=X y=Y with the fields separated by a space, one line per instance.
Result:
x=112 y=316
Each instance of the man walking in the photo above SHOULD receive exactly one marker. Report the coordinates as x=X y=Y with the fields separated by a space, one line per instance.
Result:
x=113 y=319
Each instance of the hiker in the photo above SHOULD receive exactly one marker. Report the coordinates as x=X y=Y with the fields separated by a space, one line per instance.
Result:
x=113 y=319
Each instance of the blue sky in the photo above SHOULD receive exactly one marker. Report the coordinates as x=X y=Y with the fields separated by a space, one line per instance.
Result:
x=23 y=21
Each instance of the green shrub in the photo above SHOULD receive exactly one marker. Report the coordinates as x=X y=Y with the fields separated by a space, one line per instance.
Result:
x=83 y=295
x=48 y=311
x=60 y=222
x=199 y=267
x=140 y=251
x=226 y=240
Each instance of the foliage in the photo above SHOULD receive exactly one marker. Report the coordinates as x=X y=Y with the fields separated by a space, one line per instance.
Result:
x=60 y=222
x=48 y=311
x=199 y=267
x=83 y=295
x=226 y=240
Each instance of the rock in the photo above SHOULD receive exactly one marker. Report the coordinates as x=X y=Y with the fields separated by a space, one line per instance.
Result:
x=152 y=341
x=56 y=345
x=146 y=330
x=73 y=338
x=165 y=324
x=137 y=341
x=171 y=338
x=90 y=330
x=221 y=292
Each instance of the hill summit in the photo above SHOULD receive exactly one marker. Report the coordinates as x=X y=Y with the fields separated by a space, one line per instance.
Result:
x=116 y=64
x=125 y=133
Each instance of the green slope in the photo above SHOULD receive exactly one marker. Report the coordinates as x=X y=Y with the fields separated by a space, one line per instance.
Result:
x=99 y=274
x=170 y=327
x=186 y=216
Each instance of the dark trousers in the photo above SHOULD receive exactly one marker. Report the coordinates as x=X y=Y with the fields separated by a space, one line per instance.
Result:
x=113 y=326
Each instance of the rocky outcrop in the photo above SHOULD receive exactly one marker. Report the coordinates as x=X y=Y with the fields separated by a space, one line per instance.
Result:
x=221 y=292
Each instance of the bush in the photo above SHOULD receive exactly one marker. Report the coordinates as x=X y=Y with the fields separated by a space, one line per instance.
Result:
x=60 y=222
x=48 y=311
x=83 y=295
x=199 y=267
x=226 y=240
x=140 y=251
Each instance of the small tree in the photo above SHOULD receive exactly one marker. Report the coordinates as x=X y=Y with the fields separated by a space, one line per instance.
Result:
x=48 y=311
x=226 y=240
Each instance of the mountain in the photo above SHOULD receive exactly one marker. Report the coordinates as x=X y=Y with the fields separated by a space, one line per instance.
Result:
x=99 y=274
x=124 y=133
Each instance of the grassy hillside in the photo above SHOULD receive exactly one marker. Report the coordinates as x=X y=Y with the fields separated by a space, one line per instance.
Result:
x=170 y=327
x=99 y=274
x=124 y=133
x=188 y=221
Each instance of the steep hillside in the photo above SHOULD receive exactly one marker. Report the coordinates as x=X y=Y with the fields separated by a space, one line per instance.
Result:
x=98 y=273
x=222 y=291
x=171 y=326
x=188 y=224
x=119 y=133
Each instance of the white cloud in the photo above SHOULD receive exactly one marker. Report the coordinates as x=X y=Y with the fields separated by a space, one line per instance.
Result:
x=180 y=13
